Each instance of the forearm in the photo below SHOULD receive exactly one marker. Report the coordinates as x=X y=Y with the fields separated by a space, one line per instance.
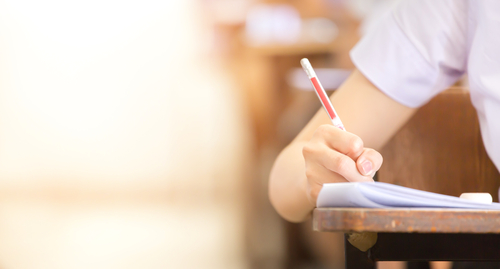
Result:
x=365 y=111
x=288 y=184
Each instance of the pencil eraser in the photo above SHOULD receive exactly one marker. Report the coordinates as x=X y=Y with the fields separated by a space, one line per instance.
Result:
x=306 y=65
x=480 y=197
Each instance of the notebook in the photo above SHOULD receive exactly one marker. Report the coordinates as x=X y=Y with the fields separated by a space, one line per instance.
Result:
x=384 y=195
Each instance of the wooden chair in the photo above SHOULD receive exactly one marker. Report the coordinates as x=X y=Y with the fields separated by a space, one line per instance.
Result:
x=439 y=150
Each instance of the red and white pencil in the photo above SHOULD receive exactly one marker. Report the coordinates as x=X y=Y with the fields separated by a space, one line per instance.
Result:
x=320 y=92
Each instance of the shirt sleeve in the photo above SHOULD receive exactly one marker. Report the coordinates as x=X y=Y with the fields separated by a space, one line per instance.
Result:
x=416 y=51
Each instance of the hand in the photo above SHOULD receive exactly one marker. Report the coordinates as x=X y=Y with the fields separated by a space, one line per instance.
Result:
x=333 y=155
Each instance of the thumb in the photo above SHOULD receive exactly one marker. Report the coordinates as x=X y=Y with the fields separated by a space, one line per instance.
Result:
x=369 y=162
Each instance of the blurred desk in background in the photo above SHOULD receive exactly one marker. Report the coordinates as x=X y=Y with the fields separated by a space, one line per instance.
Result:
x=261 y=67
x=299 y=49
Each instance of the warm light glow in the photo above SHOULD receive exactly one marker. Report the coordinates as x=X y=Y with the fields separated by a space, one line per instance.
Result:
x=116 y=135
x=89 y=87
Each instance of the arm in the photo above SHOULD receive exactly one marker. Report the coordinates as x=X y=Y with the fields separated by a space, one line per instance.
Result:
x=322 y=153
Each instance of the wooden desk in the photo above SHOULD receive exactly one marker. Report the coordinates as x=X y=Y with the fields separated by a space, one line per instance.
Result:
x=415 y=234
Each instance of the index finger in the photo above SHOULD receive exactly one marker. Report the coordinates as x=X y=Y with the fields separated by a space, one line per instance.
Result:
x=341 y=141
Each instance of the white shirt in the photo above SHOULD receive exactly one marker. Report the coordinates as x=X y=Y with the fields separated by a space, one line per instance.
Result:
x=424 y=46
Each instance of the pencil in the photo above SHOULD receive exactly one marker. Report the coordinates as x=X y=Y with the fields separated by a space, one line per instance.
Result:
x=320 y=92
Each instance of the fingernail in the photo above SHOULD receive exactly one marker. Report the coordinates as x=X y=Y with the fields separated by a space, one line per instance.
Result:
x=367 y=167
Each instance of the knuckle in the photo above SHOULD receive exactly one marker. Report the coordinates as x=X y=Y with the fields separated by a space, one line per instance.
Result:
x=355 y=144
x=314 y=193
x=307 y=150
x=309 y=173
x=324 y=129
x=341 y=164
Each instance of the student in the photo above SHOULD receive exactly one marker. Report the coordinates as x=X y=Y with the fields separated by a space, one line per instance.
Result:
x=421 y=48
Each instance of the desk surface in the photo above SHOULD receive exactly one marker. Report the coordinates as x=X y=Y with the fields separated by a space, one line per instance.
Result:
x=405 y=220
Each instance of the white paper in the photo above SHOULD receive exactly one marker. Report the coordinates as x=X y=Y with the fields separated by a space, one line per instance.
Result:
x=384 y=195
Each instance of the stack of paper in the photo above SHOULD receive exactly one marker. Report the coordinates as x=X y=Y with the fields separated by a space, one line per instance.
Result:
x=384 y=195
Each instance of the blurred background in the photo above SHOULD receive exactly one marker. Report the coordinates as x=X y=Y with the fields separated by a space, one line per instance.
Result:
x=140 y=134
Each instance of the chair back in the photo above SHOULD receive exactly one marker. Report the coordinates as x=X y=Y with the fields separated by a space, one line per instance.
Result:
x=440 y=150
